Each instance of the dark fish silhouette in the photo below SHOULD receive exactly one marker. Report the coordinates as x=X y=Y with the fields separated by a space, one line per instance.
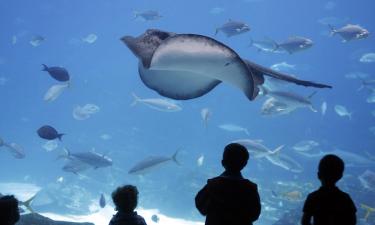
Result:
x=187 y=66
x=102 y=201
x=155 y=218
x=58 y=73
x=49 y=133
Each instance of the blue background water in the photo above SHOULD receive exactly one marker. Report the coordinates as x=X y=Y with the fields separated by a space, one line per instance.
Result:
x=105 y=73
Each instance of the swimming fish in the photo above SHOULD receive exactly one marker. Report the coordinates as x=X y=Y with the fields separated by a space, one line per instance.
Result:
x=295 y=44
x=256 y=148
x=305 y=145
x=147 y=15
x=26 y=204
x=286 y=162
x=75 y=166
x=368 y=84
x=283 y=66
x=206 y=115
x=291 y=99
x=323 y=108
x=367 y=58
x=367 y=180
x=350 y=32
x=49 y=133
x=151 y=162
x=50 y=145
x=157 y=103
x=37 y=40
x=342 y=111
x=58 y=73
x=84 y=112
x=187 y=66
x=102 y=202
x=54 y=92
x=91 y=158
x=90 y=39
x=232 y=28
x=234 y=128
x=273 y=107
x=15 y=149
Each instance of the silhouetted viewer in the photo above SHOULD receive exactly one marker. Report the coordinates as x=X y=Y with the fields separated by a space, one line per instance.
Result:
x=126 y=200
x=230 y=199
x=9 y=213
x=329 y=205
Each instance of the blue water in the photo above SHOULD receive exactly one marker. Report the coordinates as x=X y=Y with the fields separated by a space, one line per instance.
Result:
x=105 y=73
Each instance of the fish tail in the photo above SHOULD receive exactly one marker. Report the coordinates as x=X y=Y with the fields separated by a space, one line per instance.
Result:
x=174 y=157
x=332 y=29
x=136 y=99
x=59 y=136
x=28 y=202
x=263 y=89
x=45 y=67
x=277 y=150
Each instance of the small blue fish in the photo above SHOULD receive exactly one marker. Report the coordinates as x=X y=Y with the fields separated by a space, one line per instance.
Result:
x=102 y=202
x=49 y=133
x=58 y=73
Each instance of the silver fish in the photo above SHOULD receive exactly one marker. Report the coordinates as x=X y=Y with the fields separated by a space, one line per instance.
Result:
x=273 y=107
x=291 y=99
x=283 y=66
x=367 y=58
x=234 y=128
x=157 y=103
x=205 y=115
x=256 y=148
x=295 y=44
x=54 y=92
x=305 y=146
x=90 y=39
x=342 y=111
x=367 y=180
x=147 y=15
x=75 y=166
x=95 y=160
x=37 y=40
x=151 y=162
x=285 y=162
x=350 y=32
x=15 y=149
x=323 y=108
x=232 y=28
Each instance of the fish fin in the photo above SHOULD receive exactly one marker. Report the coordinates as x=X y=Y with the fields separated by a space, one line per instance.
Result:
x=174 y=157
x=136 y=99
x=59 y=136
x=45 y=67
x=28 y=202
x=277 y=150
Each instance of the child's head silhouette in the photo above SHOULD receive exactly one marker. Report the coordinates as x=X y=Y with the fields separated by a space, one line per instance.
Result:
x=125 y=198
x=235 y=157
x=331 y=169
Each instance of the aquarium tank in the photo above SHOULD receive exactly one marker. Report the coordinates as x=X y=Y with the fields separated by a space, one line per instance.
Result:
x=96 y=94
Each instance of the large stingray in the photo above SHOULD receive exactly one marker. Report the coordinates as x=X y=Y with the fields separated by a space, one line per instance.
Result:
x=186 y=66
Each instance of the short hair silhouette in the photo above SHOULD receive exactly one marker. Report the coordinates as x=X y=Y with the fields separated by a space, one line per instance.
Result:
x=331 y=169
x=125 y=198
x=235 y=157
x=9 y=212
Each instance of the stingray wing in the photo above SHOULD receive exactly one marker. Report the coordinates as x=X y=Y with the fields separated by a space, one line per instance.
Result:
x=198 y=58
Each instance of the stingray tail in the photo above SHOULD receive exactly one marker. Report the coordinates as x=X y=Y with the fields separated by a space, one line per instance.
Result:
x=59 y=136
x=45 y=67
x=332 y=29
